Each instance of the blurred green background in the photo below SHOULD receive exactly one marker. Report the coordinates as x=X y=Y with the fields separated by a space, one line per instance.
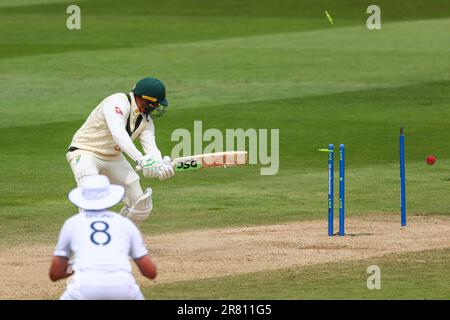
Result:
x=231 y=64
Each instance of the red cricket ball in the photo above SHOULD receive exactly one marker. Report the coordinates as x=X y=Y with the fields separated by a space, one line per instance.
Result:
x=431 y=159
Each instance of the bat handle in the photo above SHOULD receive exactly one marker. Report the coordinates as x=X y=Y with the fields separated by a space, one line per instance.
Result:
x=139 y=168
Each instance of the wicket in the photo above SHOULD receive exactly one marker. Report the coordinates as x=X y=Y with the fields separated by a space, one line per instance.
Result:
x=330 y=151
x=330 y=189
x=341 y=190
x=402 y=178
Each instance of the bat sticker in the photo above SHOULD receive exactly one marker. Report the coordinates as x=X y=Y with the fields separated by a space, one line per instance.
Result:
x=188 y=165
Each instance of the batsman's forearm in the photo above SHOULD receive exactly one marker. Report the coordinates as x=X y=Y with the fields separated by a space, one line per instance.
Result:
x=120 y=136
x=125 y=143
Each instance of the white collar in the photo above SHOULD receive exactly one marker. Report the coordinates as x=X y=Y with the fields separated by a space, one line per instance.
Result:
x=134 y=107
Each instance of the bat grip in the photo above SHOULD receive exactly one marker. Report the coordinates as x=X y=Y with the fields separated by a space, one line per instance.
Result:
x=139 y=168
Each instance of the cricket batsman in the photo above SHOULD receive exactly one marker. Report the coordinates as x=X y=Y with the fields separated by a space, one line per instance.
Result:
x=109 y=131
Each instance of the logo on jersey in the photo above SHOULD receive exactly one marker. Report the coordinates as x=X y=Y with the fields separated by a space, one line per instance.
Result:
x=118 y=111
x=77 y=159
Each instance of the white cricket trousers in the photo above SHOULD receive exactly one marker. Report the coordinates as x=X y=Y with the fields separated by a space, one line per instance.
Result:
x=102 y=286
x=84 y=163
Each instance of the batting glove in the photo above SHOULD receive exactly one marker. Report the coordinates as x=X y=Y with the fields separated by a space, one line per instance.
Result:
x=149 y=165
x=165 y=169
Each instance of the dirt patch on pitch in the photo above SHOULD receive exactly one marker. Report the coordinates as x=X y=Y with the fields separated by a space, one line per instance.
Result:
x=221 y=252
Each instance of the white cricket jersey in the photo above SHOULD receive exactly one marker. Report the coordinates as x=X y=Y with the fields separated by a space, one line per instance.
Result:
x=111 y=128
x=100 y=242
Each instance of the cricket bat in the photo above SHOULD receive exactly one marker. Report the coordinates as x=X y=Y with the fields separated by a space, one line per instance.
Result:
x=209 y=160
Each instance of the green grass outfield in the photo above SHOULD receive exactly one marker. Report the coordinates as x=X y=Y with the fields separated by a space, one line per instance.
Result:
x=232 y=64
x=422 y=275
